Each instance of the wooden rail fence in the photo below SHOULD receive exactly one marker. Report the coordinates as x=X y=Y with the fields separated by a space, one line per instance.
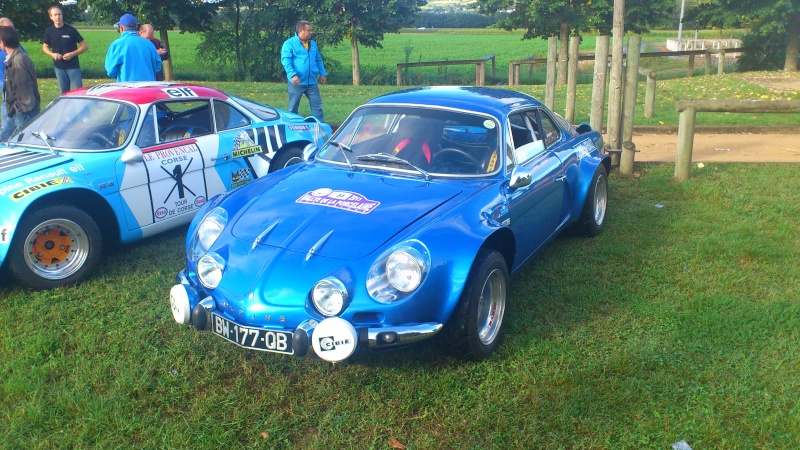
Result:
x=688 y=110
x=480 y=68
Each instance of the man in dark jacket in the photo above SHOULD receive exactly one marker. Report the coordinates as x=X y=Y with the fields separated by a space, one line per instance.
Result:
x=21 y=91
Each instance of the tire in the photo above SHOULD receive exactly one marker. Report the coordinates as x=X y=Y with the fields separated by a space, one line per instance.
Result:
x=475 y=329
x=288 y=157
x=595 y=208
x=55 y=246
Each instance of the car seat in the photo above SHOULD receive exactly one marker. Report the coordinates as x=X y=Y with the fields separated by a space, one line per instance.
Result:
x=417 y=139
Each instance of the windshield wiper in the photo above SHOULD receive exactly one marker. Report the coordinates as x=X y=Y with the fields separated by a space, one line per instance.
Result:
x=44 y=137
x=385 y=157
x=344 y=149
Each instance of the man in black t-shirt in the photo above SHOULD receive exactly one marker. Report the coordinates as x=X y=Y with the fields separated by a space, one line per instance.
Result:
x=64 y=43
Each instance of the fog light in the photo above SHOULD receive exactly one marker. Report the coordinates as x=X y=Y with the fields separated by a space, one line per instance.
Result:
x=179 y=301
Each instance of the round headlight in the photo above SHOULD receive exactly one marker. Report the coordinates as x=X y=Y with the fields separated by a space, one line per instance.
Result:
x=211 y=227
x=404 y=270
x=209 y=270
x=329 y=295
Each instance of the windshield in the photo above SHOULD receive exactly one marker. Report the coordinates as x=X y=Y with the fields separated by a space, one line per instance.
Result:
x=432 y=142
x=81 y=124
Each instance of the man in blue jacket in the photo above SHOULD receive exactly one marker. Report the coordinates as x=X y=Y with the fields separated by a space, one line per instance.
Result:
x=130 y=57
x=303 y=63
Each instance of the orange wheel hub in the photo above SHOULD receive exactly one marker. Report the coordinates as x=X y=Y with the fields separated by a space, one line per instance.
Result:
x=51 y=246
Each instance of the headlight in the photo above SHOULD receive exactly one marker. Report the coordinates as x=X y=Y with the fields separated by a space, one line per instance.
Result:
x=329 y=296
x=207 y=232
x=209 y=270
x=404 y=269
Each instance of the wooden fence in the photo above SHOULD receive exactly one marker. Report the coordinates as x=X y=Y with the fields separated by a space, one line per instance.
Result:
x=688 y=111
x=514 y=66
x=480 y=68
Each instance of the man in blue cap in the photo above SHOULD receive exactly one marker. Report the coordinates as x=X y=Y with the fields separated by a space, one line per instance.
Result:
x=131 y=58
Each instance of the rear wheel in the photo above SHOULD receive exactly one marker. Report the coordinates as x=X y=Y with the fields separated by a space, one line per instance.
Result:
x=288 y=157
x=54 y=247
x=475 y=328
x=593 y=217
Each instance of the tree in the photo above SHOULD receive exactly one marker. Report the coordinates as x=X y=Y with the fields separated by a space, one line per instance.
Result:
x=187 y=15
x=365 y=23
x=249 y=34
x=772 y=22
x=547 y=18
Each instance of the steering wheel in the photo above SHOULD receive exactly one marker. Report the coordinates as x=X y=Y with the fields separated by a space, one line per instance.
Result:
x=104 y=139
x=463 y=161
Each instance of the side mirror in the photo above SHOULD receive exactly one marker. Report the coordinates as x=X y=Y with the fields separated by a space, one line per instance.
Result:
x=132 y=155
x=519 y=178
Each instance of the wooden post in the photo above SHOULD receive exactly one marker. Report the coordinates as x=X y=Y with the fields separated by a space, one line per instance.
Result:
x=629 y=102
x=650 y=91
x=721 y=66
x=480 y=73
x=494 y=73
x=708 y=62
x=399 y=75
x=615 y=84
x=691 y=65
x=683 y=161
x=599 y=82
x=511 y=81
x=572 y=77
x=550 y=82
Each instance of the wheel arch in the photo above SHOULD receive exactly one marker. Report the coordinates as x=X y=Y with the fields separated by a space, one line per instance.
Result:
x=502 y=241
x=90 y=202
x=587 y=168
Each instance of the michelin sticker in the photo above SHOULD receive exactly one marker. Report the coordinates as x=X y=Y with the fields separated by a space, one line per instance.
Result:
x=177 y=181
x=344 y=200
x=244 y=146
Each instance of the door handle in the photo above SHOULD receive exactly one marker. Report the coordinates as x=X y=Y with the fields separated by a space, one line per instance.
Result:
x=560 y=179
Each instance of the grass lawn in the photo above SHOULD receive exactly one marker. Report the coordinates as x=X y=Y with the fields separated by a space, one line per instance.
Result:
x=680 y=322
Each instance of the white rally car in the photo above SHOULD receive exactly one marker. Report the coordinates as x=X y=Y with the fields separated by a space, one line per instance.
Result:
x=122 y=161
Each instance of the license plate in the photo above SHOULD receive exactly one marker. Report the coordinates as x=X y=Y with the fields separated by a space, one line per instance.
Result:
x=252 y=338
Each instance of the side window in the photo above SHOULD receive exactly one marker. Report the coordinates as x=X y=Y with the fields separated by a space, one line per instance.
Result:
x=227 y=117
x=520 y=133
x=147 y=136
x=183 y=120
x=524 y=136
x=552 y=133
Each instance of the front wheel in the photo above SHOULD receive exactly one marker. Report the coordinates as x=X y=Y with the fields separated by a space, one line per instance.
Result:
x=289 y=157
x=55 y=246
x=475 y=328
x=593 y=217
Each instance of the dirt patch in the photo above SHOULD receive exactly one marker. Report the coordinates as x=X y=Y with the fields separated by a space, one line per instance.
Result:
x=745 y=147
x=764 y=145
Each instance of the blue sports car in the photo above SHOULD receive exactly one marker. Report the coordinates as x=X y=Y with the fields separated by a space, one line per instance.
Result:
x=122 y=161
x=408 y=222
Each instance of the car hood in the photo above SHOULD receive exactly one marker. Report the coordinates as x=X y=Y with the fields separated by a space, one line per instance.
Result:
x=18 y=163
x=338 y=213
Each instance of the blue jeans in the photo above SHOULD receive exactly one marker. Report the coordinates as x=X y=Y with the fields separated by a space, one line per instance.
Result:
x=314 y=99
x=12 y=124
x=67 y=78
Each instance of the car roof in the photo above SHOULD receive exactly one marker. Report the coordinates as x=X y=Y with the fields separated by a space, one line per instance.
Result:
x=494 y=101
x=145 y=92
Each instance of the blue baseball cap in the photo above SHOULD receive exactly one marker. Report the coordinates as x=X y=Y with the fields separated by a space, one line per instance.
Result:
x=127 y=21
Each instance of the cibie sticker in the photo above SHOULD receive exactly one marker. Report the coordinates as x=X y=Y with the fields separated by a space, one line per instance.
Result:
x=344 y=200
